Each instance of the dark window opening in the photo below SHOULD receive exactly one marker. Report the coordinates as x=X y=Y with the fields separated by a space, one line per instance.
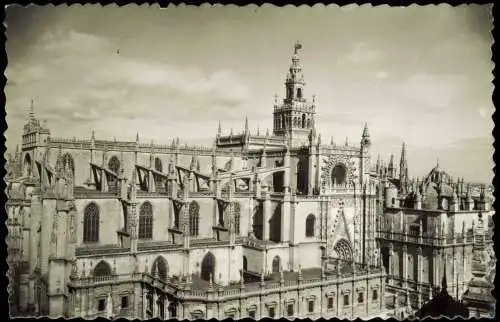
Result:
x=272 y=313
x=146 y=221
x=251 y=314
x=172 y=310
x=346 y=300
x=310 y=222
x=330 y=303
x=124 y=302
x=289 y=309
x=91 y=223
x=303 y=121
x=375 y=295
x=311 y=306
x=299 y=93
x=360 y=297
x=101 y=305
x=339 y=174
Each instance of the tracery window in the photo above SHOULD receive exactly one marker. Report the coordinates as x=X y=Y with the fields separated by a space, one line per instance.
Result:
x=146 y=221
x=310 y=222
x=194 y=218
x=91 y=223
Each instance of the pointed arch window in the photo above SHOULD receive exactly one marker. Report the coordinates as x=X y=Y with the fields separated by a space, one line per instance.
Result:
x=27 y=165
x=146 y=221
x=299 y=93
x=194 y=218
x=160 y=267
x=310 y=222
x=208 y=266
x=91 y=223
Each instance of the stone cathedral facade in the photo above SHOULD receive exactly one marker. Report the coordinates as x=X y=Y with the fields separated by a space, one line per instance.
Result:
x=258 y=225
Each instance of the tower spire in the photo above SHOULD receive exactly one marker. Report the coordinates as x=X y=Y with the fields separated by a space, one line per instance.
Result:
x=32 y=109
x=246 y=125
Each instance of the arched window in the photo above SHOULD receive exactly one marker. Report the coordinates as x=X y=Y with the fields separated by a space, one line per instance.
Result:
x=114 y=164
x=208 y=266
x=245 y=264
x=146 y=221
x=160 y=267
x=299 y=93
x=276 y=264
x=339 y=174
x=282 y=121
x=310 y=221
x=91 y=223
x=158 y=165
x=194 y=218
x=27 y=166
x=303 y=120
x=343 y=250
x=102 y=269
x=237 y=217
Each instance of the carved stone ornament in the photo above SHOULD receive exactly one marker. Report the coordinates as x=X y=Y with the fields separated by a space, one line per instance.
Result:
x=346 y=160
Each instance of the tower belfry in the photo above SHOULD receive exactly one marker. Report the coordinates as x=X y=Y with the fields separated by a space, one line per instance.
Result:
x=295 y=115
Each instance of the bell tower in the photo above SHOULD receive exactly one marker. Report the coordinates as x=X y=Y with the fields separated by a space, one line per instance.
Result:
x=295 y=115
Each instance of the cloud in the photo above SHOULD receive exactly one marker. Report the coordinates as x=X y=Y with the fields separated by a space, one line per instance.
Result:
x=91 y=82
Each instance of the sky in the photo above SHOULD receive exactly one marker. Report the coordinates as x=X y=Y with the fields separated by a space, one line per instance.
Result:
x=420 y=75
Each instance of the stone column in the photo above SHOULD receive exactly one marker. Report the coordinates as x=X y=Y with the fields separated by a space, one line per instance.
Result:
x=404 y=259
x=436 y=258
x=266 y=216
x=391 y=263
x=285 y=218
x=251 y=206
x=419 y=274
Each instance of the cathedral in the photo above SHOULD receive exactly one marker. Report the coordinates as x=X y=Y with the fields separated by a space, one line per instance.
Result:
x=273 y=225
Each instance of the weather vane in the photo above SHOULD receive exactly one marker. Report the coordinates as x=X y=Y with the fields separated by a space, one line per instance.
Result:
x=298 y=46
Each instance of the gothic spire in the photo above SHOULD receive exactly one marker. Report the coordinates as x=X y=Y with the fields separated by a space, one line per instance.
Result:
x=219 y=130
x=32 y=109
x=246 y=125
x=366 y=134
x=403 y=154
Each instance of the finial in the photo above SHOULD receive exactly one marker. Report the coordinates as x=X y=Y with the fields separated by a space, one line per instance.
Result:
x=246 y=125
x=314 y=98
x=231 y=133
x=365 y=131
x=331 y=141
x=346 y=141
x=267 y=132
x=258 y=131
x=437 y=163
x=275 y=99
x=137 y=137
x=219 y=130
